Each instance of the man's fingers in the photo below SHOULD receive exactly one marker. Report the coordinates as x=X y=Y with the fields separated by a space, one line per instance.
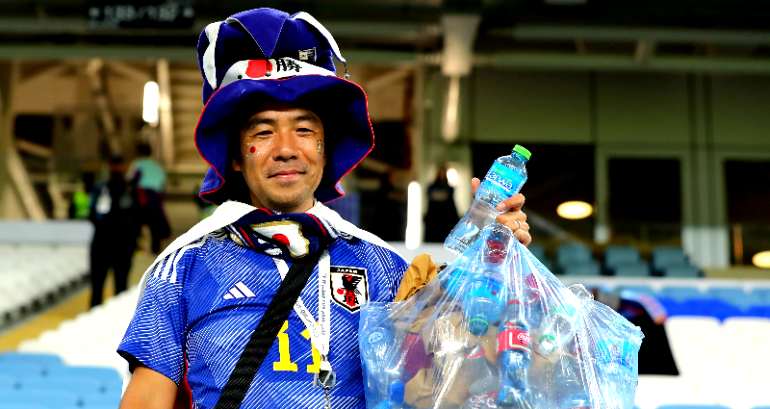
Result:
x=512 y=203
x=475 y=182
x=510 y=218
x=523 y=237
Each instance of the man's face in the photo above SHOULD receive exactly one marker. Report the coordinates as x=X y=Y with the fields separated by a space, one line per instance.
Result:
x=280 y=159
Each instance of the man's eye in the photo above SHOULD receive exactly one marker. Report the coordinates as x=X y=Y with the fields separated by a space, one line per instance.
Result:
x=304 y=130
x=263 y=133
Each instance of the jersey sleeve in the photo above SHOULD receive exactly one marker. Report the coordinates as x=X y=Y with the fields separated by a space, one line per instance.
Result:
x=155 y=336
x=395 y=266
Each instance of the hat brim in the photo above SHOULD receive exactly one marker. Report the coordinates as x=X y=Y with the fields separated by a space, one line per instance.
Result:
x=340 y=103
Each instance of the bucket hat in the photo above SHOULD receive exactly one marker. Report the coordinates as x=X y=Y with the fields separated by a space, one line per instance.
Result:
x=267 y=54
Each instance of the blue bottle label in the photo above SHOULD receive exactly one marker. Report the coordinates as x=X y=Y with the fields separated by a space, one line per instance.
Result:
x=484 y=287
x=502 y=179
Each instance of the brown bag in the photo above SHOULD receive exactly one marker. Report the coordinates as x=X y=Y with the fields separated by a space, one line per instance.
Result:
x=422 y=270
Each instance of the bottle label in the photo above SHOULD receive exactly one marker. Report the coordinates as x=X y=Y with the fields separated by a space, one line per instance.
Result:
x=502 y=179
x=615 y=352
x=485 y=287
x=513 y=339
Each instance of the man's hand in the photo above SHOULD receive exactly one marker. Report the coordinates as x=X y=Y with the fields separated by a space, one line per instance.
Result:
x=149 y=390
x=512 y=215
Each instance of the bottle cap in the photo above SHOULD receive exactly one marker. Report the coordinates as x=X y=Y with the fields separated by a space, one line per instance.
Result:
x=396 y=392
x=522 y=151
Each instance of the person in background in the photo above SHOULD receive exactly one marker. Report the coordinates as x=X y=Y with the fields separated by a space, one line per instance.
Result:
x=442 y=212
x=80 y=205
x=114 y=212
x=644 y=311
x=148 y=176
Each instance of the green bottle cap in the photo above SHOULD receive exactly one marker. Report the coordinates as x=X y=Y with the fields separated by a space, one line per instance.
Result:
x=522 y=151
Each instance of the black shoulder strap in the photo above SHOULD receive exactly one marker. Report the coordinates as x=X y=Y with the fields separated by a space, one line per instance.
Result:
x=267 y=331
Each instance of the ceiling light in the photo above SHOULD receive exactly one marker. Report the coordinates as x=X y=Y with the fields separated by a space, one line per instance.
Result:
x=762 y=259
x=150 y=103
x=451 y=177
x=574 y=210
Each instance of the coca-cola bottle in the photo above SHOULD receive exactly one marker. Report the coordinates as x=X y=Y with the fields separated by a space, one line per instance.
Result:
x=514 y=357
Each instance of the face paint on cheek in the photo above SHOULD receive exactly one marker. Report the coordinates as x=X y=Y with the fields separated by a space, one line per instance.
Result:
x=320 y=146
x=251 y=150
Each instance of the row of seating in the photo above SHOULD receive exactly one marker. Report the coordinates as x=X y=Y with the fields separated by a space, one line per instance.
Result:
x=44 y=379
x=33 y=275
x=718 y=302
x=623 y=261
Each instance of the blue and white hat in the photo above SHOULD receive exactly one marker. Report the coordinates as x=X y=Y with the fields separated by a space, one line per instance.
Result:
x=266 y=52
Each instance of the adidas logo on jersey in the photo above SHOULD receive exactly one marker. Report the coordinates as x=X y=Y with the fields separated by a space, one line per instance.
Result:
x=239 y=290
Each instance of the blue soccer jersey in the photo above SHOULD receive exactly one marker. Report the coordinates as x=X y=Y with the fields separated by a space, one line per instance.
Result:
x=202 y=303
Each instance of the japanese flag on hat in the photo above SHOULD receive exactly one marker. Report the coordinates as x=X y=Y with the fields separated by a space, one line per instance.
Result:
x=266 y=53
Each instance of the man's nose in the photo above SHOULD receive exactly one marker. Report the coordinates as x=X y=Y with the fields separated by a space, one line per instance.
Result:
x=287 y=147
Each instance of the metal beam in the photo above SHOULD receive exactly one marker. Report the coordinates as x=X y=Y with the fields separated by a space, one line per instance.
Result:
x=625 y=63
x=633 y=34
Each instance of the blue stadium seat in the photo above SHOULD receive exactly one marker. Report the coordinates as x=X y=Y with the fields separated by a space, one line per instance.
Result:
x=632 y=270
x=762 y=294
x=758 y=311
x=680 y=293
x=615 y=256
x=572 y=253
x=102 y=399
x=21 y=370
x=44 y=360
x=79 y=385
x=682 y=271
x=663 y=257
x=709 y=308
x=7 y=382
x=587 y=268
x=50 y=399
x=4 y=405
x=94 y=372
x=735 y=296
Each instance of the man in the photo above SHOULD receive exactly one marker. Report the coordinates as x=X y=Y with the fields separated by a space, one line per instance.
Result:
x=148 y=176
x=279 y=130
x=114 y=212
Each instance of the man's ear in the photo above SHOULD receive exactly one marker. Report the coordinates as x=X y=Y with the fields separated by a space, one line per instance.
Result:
x=236 y=165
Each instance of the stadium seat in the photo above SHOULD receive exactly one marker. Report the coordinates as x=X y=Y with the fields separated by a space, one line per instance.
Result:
x=762 y=294
x=43 y=360
x=21 y=370
x=79 y=385
x=632 y=270
x=680 y=293
x=99 y=373
x=587 y=268
x=102 y=399
x=572 y=253
x=686 y=271
x=758 y=311
x=663 y=257
x=21 y=406
x=615 y=256
x=51 y=399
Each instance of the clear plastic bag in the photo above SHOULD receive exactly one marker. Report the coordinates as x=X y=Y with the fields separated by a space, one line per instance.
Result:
x=497 y=329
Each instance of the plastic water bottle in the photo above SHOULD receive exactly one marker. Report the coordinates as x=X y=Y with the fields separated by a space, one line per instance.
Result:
x=569 y=382
x=481 y=374
x=558 y=329
x=395 y=397
x=483 y=303
x=377 y=348
x=616 y=370
x=514 y=357
x=503 y=180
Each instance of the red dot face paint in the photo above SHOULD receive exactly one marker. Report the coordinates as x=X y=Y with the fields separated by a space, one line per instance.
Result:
x=252 y=149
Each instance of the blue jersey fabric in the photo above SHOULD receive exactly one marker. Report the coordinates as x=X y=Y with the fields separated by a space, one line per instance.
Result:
x=188 y=313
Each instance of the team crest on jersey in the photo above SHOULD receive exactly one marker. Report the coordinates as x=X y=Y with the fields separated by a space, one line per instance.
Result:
x=349 y=287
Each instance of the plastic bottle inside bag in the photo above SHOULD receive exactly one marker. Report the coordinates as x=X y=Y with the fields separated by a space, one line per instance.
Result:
x=570 y=384
x=483 y=302
x=514 y=357
x=557 y=330
x=380 y=358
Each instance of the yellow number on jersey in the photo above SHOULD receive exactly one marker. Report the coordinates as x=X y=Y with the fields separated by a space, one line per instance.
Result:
x=316 y=355
x=285 y=363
